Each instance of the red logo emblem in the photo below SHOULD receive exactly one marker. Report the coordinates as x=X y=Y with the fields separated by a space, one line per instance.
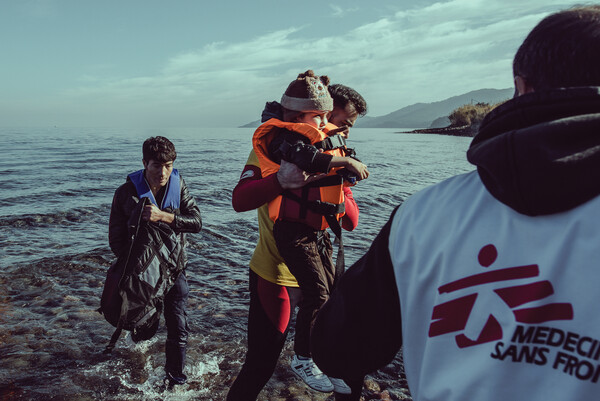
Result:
x=453 y=315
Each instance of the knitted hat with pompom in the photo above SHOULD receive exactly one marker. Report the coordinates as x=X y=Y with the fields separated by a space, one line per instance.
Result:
x=308 y=92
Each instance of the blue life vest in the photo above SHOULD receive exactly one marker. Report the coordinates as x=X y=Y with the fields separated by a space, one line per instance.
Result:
x=172 y=196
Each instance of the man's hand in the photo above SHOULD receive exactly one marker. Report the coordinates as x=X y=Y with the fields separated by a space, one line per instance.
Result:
x=291 y=177
x=360 y=169
x=153 y=213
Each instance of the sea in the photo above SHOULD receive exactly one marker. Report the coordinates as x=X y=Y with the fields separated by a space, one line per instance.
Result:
x=56 y=189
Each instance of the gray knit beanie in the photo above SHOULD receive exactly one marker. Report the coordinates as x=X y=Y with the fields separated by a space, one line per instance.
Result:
x=308 y=92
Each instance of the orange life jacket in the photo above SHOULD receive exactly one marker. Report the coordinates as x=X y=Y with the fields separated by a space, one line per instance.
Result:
x=311 y=203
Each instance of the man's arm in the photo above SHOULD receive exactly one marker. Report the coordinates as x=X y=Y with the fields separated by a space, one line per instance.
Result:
x=253 y=191
x=359 y=330
x=187 y=218
x=350 y=218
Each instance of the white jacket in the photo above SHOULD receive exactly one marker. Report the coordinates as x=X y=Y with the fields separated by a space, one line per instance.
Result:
x=490 y=280
x=496 y=303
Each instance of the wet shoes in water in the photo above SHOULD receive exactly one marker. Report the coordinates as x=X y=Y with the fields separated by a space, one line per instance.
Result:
x=340 y=386
x=176 y=379
x=311 y=374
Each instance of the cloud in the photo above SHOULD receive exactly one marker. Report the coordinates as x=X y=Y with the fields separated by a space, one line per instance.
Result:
x=415 y=55
x=337 y=11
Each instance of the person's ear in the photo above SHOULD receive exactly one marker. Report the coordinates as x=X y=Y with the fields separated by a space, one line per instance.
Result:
x=522 y=86
x=145 y=164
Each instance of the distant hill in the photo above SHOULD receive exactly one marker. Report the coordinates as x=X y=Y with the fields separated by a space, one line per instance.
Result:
x=426 y=115
x=253 y=124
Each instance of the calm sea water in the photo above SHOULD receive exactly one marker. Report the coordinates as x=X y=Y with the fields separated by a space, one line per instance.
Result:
x=57 y=187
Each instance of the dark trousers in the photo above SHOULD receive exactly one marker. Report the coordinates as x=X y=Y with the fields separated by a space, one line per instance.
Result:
x=271 y=310
x=308 y=254
x=177 y=326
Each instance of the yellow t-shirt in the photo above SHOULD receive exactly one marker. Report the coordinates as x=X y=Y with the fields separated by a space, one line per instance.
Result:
x=266 y=261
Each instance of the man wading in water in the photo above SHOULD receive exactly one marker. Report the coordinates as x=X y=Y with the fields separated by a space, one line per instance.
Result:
x=173 y=205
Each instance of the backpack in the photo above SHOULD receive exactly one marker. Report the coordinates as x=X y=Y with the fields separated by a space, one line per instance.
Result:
x=136 y=283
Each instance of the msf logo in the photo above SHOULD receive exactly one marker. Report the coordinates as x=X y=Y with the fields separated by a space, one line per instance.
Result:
x=452 y=316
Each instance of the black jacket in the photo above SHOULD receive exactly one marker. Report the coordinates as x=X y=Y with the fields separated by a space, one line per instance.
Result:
x=187 y=217
x=139 y=278
x=540 y=153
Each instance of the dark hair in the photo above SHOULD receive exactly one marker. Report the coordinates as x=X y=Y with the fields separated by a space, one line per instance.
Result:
x=158 y=148
x=342 y=95
x=563 y=50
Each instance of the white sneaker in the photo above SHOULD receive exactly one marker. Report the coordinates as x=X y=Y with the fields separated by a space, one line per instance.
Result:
x=340 y=386
x=311 y=374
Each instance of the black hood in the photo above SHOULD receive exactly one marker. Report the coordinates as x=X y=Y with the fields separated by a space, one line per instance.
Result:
x=540 y=153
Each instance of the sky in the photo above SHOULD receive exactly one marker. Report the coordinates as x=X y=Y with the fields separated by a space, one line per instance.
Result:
x=198 y=63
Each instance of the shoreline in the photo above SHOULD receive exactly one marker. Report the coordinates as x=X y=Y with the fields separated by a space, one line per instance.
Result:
x=466 y=130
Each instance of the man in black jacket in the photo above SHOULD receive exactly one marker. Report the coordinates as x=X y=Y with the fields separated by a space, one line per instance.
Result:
x=489 y=280
x=171 y=204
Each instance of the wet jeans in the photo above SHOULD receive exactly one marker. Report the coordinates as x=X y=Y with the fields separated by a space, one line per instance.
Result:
x=177 y=326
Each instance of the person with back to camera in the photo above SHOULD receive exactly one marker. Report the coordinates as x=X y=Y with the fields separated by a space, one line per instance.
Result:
x=517 y=240
x=274 y=291
x=173 y=205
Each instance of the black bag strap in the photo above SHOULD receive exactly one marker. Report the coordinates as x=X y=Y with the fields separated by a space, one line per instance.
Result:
x=327 y=181
x=336 y=141
x=336 y=227
x=113 y=339
x=332 y=142
x=351 y=153
x=140 y=209
x=124 y=303
x=317 y=206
